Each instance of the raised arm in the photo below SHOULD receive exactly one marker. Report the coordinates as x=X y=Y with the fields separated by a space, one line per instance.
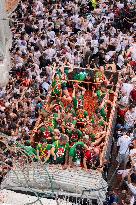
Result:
x=53 y=153
x=84 y=163
x=48 y=156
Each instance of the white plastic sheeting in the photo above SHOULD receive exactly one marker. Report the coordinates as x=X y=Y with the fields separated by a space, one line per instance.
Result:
x=13 y=198
x=51 y=178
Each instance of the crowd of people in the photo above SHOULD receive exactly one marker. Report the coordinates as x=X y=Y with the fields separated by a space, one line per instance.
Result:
x=54 y=110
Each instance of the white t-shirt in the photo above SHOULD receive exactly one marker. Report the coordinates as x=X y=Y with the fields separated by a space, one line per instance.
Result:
x=95 y=44
x=43 y=43
x=51 y=35
x=124 y=100
x=133 y=52
x=124 y=173
x=127 y=88
x=41 y=21
x=132 y=151
x=37 y=55
x=123 y=143
x=120 y=6
x=120 y=61
x=39 y=6
x=45 y=86
x=50 y=52
x=81 y=41
x=132 y=189
x=130 y=118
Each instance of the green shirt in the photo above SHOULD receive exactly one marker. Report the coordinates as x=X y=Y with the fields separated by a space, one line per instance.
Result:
x=85 y=113
x=54 y=123
x=77 y=102
x=92 y=137
x=66 y=70
x=28 y=150
x=103 y=113
x=55 y=115
x=99 y=75
x=60 y=151
x=80 y=134
x=101 y=123
x=75 y=135
x=72 y=152
x=100 y=95
x=56 y=88
x=44 y=150
x=93 y=120
x=42 y=129
x=74 y=122
x=58 y=72
x=40 y=147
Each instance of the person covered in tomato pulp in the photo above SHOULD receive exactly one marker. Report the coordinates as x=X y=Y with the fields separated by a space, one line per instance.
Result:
x=60 y=149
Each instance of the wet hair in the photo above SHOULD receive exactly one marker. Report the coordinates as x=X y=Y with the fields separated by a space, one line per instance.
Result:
x=79 y=147
x=80 y=151
x=36 y=48
x=63 y=138
x=27 y=143
x=131 y=106
x=133 y=177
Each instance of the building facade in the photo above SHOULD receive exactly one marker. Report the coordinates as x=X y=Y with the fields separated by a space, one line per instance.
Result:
x=5 y=44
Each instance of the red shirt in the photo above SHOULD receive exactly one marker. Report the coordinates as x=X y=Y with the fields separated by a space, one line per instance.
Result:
x=122 y=112
x=133 y=95
x=88 y=156
x=132 y=63
x=117 y=12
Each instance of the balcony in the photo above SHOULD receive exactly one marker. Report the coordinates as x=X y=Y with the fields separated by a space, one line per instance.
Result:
x=11 y=5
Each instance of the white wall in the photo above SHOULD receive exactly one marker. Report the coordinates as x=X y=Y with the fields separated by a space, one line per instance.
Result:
x=5 y=45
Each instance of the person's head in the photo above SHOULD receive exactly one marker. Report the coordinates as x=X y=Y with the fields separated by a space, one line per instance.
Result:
x=96 y=151
x=110 y=191
x=124 y=93
x=127 y=200
x=131 y=107
x=27 y=143
x=78 y=94
x=44 y=142
x=86 y=139
x=79 y=150
x=63 y=139
x=43 y=37
x=69 y=115
x=57 y=77
x=56 y=132
x=102 y=68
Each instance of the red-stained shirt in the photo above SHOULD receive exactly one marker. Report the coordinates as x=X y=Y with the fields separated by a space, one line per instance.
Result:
x=133 y=95
x=117 y=12
x=121 y=112
x=88 y=156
